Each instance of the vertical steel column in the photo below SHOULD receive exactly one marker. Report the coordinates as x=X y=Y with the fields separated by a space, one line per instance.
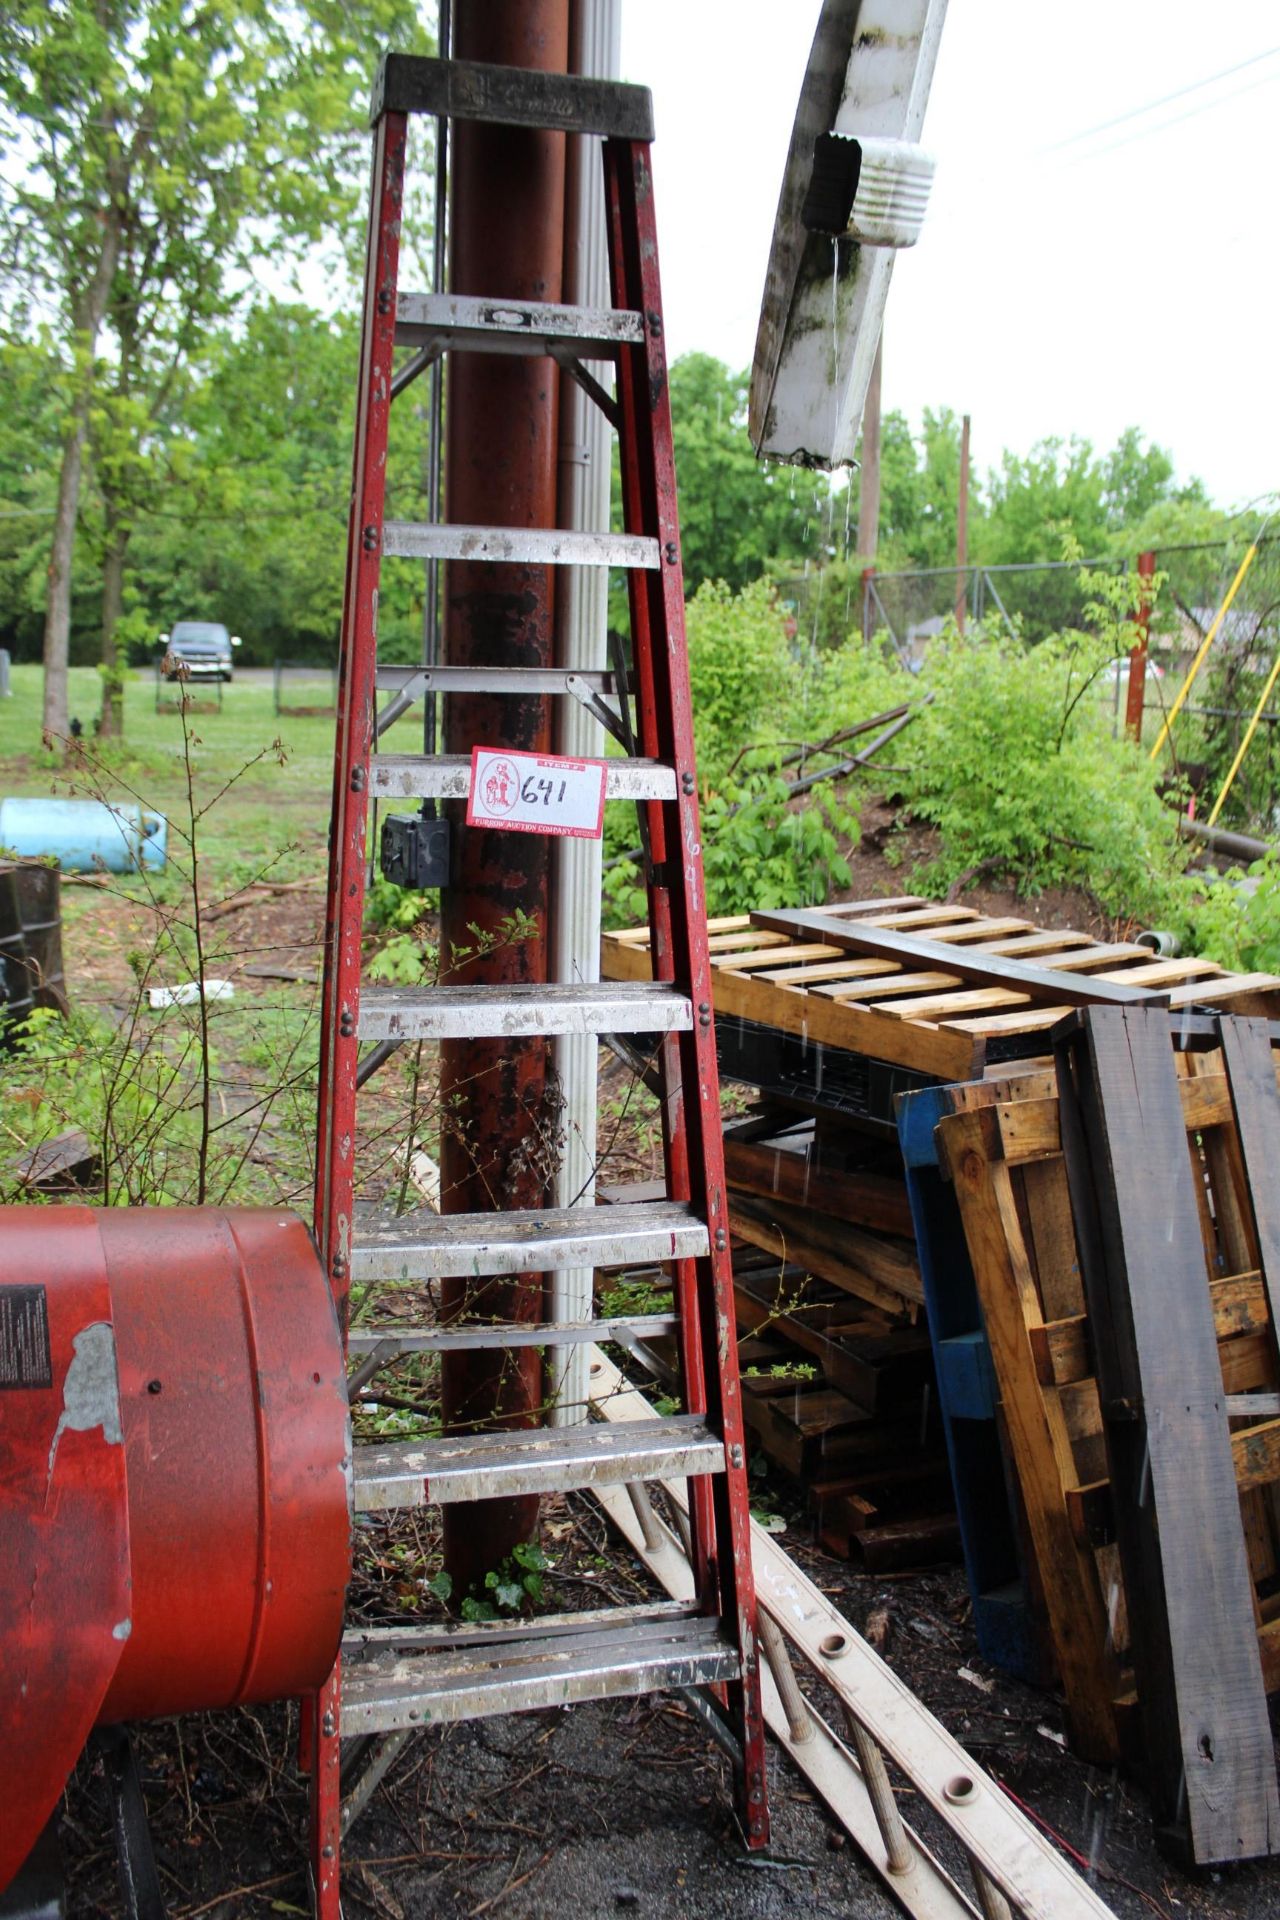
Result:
x=501 y=1117
x=582 y=615
x=1138 y=655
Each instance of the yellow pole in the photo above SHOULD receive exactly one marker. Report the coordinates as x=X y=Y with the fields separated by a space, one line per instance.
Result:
x=1250 y=730
x=1208 y=641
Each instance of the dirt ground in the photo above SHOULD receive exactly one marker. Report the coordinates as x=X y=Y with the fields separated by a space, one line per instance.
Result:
x=616 y=1808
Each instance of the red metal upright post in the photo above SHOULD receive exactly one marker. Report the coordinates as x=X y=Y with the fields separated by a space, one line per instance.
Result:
x=962 y=528
x=501 y=1118
x=1138 y=654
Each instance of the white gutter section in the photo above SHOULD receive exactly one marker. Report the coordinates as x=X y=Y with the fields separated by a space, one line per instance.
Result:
x=867 y=83
x=582 y=641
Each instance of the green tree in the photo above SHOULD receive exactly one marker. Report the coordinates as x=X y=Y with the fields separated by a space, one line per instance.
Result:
x=735 y=513
x=162 y=150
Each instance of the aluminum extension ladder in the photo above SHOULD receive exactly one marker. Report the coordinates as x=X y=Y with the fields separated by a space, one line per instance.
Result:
x=391 y=1682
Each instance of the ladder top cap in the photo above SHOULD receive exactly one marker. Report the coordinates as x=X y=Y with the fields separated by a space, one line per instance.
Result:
x=511 y=96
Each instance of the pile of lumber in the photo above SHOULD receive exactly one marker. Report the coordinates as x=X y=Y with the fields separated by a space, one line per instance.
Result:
x=837 y=1367
x=1125 y=1241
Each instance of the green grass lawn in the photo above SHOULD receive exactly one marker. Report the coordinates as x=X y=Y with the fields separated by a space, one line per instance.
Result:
x=128 y=1075
x=265 y=777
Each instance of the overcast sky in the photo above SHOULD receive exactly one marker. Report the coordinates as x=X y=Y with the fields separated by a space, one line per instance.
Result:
x=1063 y=284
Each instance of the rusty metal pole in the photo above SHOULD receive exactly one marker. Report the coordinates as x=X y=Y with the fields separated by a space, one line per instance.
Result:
x=1138 y=654
x=500 y=1110
x=962 y=528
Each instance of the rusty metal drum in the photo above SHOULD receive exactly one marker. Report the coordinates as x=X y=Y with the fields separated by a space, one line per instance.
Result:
x=174 y=1476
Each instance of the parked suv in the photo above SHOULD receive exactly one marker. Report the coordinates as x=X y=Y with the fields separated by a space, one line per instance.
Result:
x=202 y=647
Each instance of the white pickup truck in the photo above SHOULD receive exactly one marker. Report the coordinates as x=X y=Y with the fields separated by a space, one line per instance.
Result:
x=198 y=650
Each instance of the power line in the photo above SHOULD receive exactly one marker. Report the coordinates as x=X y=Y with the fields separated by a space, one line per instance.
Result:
x=1179 y=93
x=1164 y=126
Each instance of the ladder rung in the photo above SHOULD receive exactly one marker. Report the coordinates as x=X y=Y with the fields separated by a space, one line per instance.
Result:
x=521 y=682
x=450 y=321
x=389 y=1343
x=448 y=777
x=442 y=1636
x=492 y=1466
x=516 y=1012
x=535 y=1668
x=516 y=546
x=432 y=1246
x=511 y=96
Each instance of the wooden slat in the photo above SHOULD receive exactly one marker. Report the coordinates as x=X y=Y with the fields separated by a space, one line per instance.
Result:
x=871 y=1200
x=981 y=970
x=941 y=1006
x=749 y=939
x=1211 y=1768
x=1038 y=1429
x=839 y=1254
x=1255 y=1103
x=1255 y=991
x=767 y=956
x=1062 y=1351
x=1034 y=1020
x=889 y=982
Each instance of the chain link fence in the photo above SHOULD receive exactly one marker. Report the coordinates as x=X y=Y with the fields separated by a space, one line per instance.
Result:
x=1038 y=599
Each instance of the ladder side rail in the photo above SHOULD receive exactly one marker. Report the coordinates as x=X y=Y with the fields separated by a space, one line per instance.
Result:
x=643 y=384
x=340 y=1002
x=320 y=1742
x=641 y=591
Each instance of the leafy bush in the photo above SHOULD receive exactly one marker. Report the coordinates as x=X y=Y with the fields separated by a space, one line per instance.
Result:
x=1017 y=767
x=740 y=672
x=1237 y=919
x=767 y=853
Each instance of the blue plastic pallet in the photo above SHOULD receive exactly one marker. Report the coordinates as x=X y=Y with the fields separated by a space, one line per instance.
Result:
x=967 y=1396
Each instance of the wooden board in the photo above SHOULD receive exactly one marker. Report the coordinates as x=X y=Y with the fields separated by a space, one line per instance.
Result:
x=900 y=945
x=1210 y=1761
x=1023 y=1138
x=774 y=980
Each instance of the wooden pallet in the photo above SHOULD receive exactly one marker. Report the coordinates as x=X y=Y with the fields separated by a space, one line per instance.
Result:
x=1005 y=1158
x=1174 y=1467
x=927 y=1019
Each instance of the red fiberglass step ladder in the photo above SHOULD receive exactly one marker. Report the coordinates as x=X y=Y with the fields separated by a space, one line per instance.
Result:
x=390 y=1684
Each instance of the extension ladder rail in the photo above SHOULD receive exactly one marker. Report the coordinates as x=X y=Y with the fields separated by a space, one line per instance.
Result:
x=385 y=1686
x=1014 y=1871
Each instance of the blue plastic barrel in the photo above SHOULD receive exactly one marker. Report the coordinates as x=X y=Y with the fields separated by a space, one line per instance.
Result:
x=84 y=836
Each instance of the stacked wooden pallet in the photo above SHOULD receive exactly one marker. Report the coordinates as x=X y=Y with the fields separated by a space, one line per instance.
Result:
x=838 y=1372
x=940 y=990
x=1185 y=1232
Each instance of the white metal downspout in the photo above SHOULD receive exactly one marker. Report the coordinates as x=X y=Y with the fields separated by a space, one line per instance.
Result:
x=582 y=641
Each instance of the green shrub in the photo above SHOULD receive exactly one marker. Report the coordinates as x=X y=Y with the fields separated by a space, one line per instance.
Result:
x=1236 y=920
x=1015 y=763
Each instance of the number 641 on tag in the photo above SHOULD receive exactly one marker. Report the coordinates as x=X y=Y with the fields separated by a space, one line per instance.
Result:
x=536 y=793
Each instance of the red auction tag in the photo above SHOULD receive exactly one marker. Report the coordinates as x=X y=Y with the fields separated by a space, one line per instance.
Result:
x=536 y=793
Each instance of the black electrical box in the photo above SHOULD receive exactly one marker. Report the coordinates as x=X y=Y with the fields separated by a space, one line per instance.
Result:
x=415 y=850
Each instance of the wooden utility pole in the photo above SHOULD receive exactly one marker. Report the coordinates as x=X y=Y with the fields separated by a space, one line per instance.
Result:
x=962 y=527
x=869 y=493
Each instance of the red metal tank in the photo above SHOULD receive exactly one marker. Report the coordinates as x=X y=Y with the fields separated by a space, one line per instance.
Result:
x=174 y=1477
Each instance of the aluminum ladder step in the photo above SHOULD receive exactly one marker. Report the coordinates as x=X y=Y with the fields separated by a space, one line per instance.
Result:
x=498 y=1466
x=445 y=322
x=447 y=776
x=539 y=1664
x=511 y=97
x=519 y=1011
x=520 y=682
x=517 y=546
x=387 y=1343
x=435 y=1246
